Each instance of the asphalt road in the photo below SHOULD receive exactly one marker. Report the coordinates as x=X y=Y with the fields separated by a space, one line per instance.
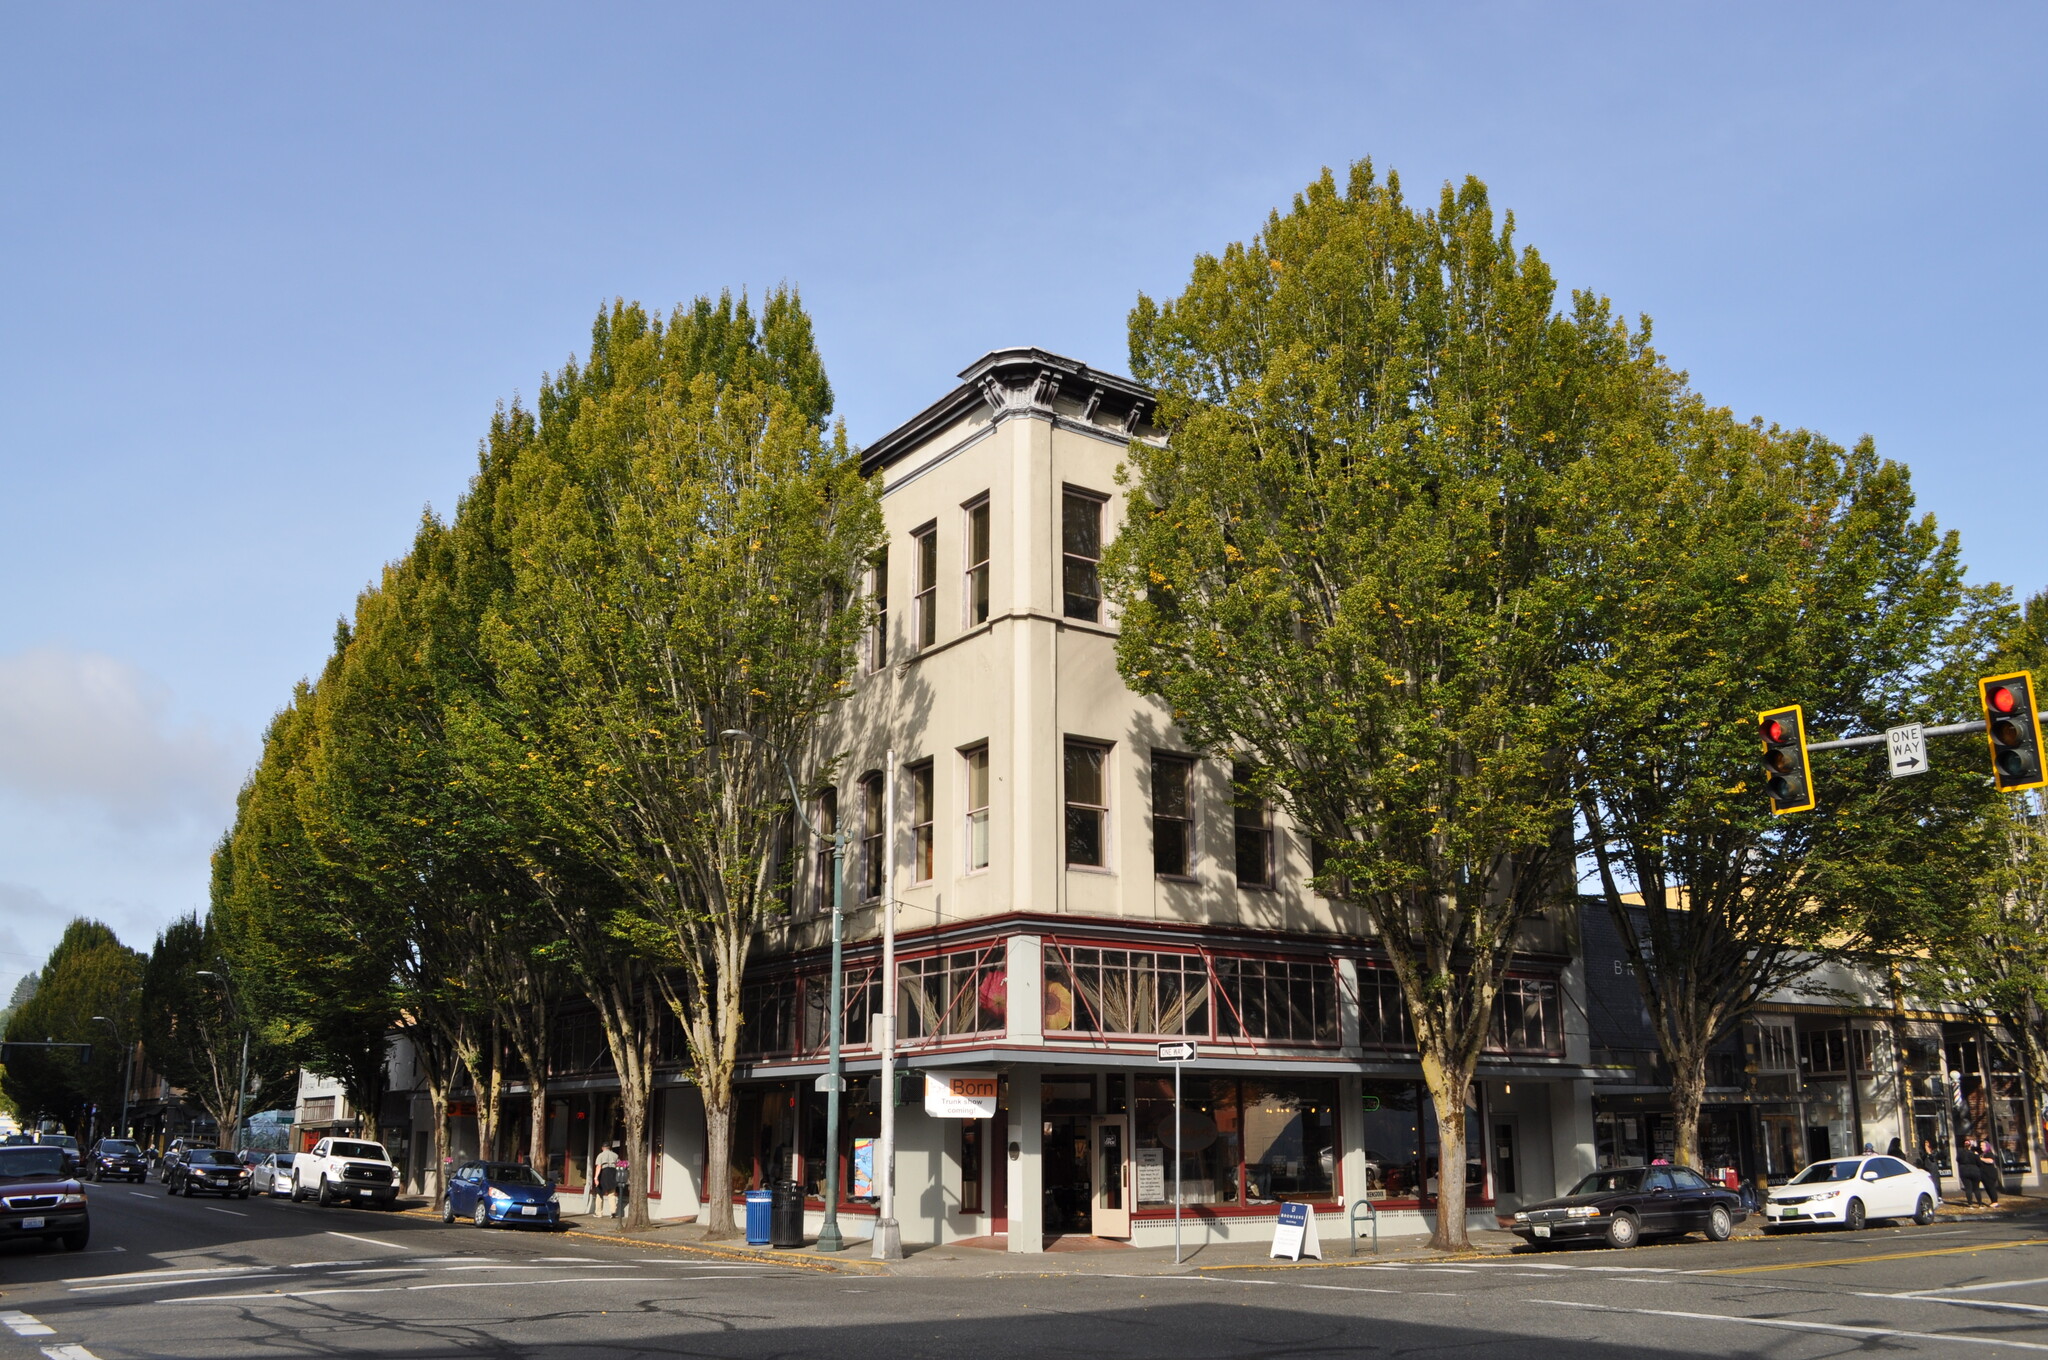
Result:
x=219 y=1280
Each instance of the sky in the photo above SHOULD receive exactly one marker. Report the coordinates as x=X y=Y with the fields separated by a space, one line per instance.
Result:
x=268 y=269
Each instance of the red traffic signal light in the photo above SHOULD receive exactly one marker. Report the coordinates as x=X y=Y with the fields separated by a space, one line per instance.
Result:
x=1788 y=773
x=2013 y=727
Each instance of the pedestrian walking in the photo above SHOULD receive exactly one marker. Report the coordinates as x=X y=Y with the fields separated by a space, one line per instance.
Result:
x=1968 y=1173
x=1897 y=1149
x=622 y=1187
x=1989 y=1177
x=604 y=1183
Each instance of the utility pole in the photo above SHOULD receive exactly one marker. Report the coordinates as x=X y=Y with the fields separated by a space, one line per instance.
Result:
x=888 y=1233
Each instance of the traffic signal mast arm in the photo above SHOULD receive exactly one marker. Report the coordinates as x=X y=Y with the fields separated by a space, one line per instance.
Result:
x=1946 y=730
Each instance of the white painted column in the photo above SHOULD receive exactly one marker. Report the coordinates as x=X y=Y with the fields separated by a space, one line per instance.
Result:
x=1027 y=1167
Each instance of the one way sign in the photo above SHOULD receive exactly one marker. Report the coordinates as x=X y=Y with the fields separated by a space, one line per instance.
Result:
x=1908 y=748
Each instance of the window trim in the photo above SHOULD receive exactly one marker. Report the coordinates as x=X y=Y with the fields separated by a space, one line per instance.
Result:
x=924 y=590
x=974 y=574
x=874 y=837
x=1105 y=750
x=923 y=845
x=1238 y=830
x=1191 y=858
x=968 y=811
x=1070 y=492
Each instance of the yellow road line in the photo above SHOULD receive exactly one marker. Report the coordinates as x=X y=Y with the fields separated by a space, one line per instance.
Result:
x=1888 y=1256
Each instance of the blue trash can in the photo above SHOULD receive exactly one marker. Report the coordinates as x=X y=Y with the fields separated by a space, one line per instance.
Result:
x=760 y=1211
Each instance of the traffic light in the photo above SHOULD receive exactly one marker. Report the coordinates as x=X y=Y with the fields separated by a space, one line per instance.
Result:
x=1788 y=774
x=2014 y=728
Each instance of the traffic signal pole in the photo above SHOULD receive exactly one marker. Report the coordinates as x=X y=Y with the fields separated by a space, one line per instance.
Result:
x=1945 y=730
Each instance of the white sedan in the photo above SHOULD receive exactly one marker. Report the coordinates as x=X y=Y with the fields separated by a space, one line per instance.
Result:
x=1846 y=1192
x=274 y=1175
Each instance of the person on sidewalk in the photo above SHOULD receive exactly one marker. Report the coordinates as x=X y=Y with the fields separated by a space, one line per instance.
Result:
x=622 y=1186
x=1966 y=1172
x=1988 y=1174
x=603 y=1182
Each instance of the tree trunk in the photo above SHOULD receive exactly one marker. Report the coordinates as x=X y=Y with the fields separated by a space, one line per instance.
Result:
x=1450 y=1086
x=537 y=1119
x=490 y=1088
x=718 y=1109
x=1688 y=1090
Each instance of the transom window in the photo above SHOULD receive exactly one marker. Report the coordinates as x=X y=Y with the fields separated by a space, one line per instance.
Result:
x=1081 y=554
x=1094 y=990
x=1087 y=804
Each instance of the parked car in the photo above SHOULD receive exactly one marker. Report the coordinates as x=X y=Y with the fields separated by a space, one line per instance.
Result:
x=500 y=1192
x=273 y=1175
x=116 y=1159
x=215 y=1171
x=39 y=1198
x=1848 y=1192
x=349 y=1169
x=1624 y=1205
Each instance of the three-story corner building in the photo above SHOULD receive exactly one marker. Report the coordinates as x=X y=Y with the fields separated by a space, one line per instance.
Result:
x=1075 y=884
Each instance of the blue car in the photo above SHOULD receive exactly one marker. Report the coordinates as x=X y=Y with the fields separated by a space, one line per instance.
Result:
x=488 y=1193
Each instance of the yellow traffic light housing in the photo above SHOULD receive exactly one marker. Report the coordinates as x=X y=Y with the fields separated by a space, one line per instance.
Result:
x=2012 y=724
x=1788 y=773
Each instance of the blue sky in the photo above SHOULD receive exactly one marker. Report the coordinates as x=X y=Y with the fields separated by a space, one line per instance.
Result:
x=268 y=268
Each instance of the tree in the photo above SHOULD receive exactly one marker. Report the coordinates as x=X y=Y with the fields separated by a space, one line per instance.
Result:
x=194 y=1028
x=89 y=973
x=1743 y=568
x=683 y=538
x=1353 y=562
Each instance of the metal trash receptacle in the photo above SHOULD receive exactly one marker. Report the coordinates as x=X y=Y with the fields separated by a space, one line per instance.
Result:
x=759 y=1205
x=786 y=1221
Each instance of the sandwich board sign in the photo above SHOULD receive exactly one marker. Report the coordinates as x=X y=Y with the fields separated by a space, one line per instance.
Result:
x=1295 y=1237
x=960 y=1095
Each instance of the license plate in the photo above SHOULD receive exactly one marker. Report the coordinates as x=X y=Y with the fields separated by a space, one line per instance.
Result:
x=31 y=1223
x=1789 y=1213
x=1543 y=1230
x=529 y=1210
x=363 y=1192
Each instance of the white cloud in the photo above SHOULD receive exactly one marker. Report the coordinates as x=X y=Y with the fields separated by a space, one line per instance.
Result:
x=86 y=728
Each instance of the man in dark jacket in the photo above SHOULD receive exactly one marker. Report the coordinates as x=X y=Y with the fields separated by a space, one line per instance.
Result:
x=1988 y=1176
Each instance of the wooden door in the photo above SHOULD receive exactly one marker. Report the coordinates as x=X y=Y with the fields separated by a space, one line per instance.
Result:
x=1110 y=1170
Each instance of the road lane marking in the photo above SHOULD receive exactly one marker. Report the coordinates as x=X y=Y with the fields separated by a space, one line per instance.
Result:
x=1972 y=1288
x=390 y=1246
x=158 y=1284
x=168 y=1275
x=21 y=1324
x=69 y=1353
x=2000 y=1304
x=279 y=1296
x=1888 y=1256
x=1778 y=1324
x=216 y=1209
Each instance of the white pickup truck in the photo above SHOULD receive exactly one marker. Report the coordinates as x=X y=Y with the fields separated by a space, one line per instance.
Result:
x=349 y=1170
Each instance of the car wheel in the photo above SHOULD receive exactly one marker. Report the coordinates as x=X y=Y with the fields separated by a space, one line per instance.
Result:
x=482 y=1217
x=1720 y=1223
x=1624 y=1231
x=76 y=1241
x=1923 y=1212
x=323 y=1196
x=188 y=1190
x=170 y=1189
x=447 y=1209
x=1854 y=1216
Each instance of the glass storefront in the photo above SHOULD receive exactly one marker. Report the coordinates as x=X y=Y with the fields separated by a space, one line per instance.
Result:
x=1399 y=1134
x=1248 y=1140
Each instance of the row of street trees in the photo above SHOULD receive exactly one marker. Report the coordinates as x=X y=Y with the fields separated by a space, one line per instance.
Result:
x=1475 y=582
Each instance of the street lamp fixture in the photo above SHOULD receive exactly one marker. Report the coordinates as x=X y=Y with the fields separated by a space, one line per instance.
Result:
x=829 y=1238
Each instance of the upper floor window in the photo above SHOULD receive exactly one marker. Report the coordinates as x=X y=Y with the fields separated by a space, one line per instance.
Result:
x=976 y=761
x=1774 y=1051
x=1081 y=554
x=975 y=590
x=878 y=594
x=1527 y=1018
x=1087 y=804
x=872 y=844
x=1254 y=818
x=1173 y=822
x=924 y=613
x=920 y=821
x=828 y=822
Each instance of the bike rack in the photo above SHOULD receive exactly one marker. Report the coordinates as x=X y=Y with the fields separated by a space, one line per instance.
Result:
x=1372 y=1213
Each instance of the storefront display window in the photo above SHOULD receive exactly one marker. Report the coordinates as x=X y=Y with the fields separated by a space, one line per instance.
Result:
x=1147 y=993
x=944 y=995
x=1248 y=1141
x=1399 y=1135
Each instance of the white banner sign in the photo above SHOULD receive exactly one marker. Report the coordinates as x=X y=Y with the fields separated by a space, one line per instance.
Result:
x=960 y=1095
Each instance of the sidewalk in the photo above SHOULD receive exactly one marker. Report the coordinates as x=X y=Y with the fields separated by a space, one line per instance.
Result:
x=975 y=1257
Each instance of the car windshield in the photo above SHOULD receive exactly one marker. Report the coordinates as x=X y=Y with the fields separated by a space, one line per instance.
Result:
x=211 y=1157
x=115 y=1147
x=1611 y=1182
x=369 y=1150
x=62 y=1140
x=30 y=1163
x=510 y=1173
x=284 y=1158
x=1826 y=1171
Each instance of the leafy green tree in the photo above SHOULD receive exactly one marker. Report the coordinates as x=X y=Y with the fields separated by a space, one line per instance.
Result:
x=89 y=973
x=1354 y=565
x=194 y=1028
x=683 y=537
x=1742 y=569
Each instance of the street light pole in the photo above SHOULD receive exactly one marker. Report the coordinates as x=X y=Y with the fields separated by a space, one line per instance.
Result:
x=127 y=1069
x=888 y=1245
x=829 y=1238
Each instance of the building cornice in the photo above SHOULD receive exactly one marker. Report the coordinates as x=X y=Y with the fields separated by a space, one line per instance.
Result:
x=1025 y=380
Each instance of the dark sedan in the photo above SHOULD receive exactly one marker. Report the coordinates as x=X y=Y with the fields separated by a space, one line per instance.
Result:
x=1623 y=1206
x=38 y=1197
x=116 y=1159
x=215 y=1171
